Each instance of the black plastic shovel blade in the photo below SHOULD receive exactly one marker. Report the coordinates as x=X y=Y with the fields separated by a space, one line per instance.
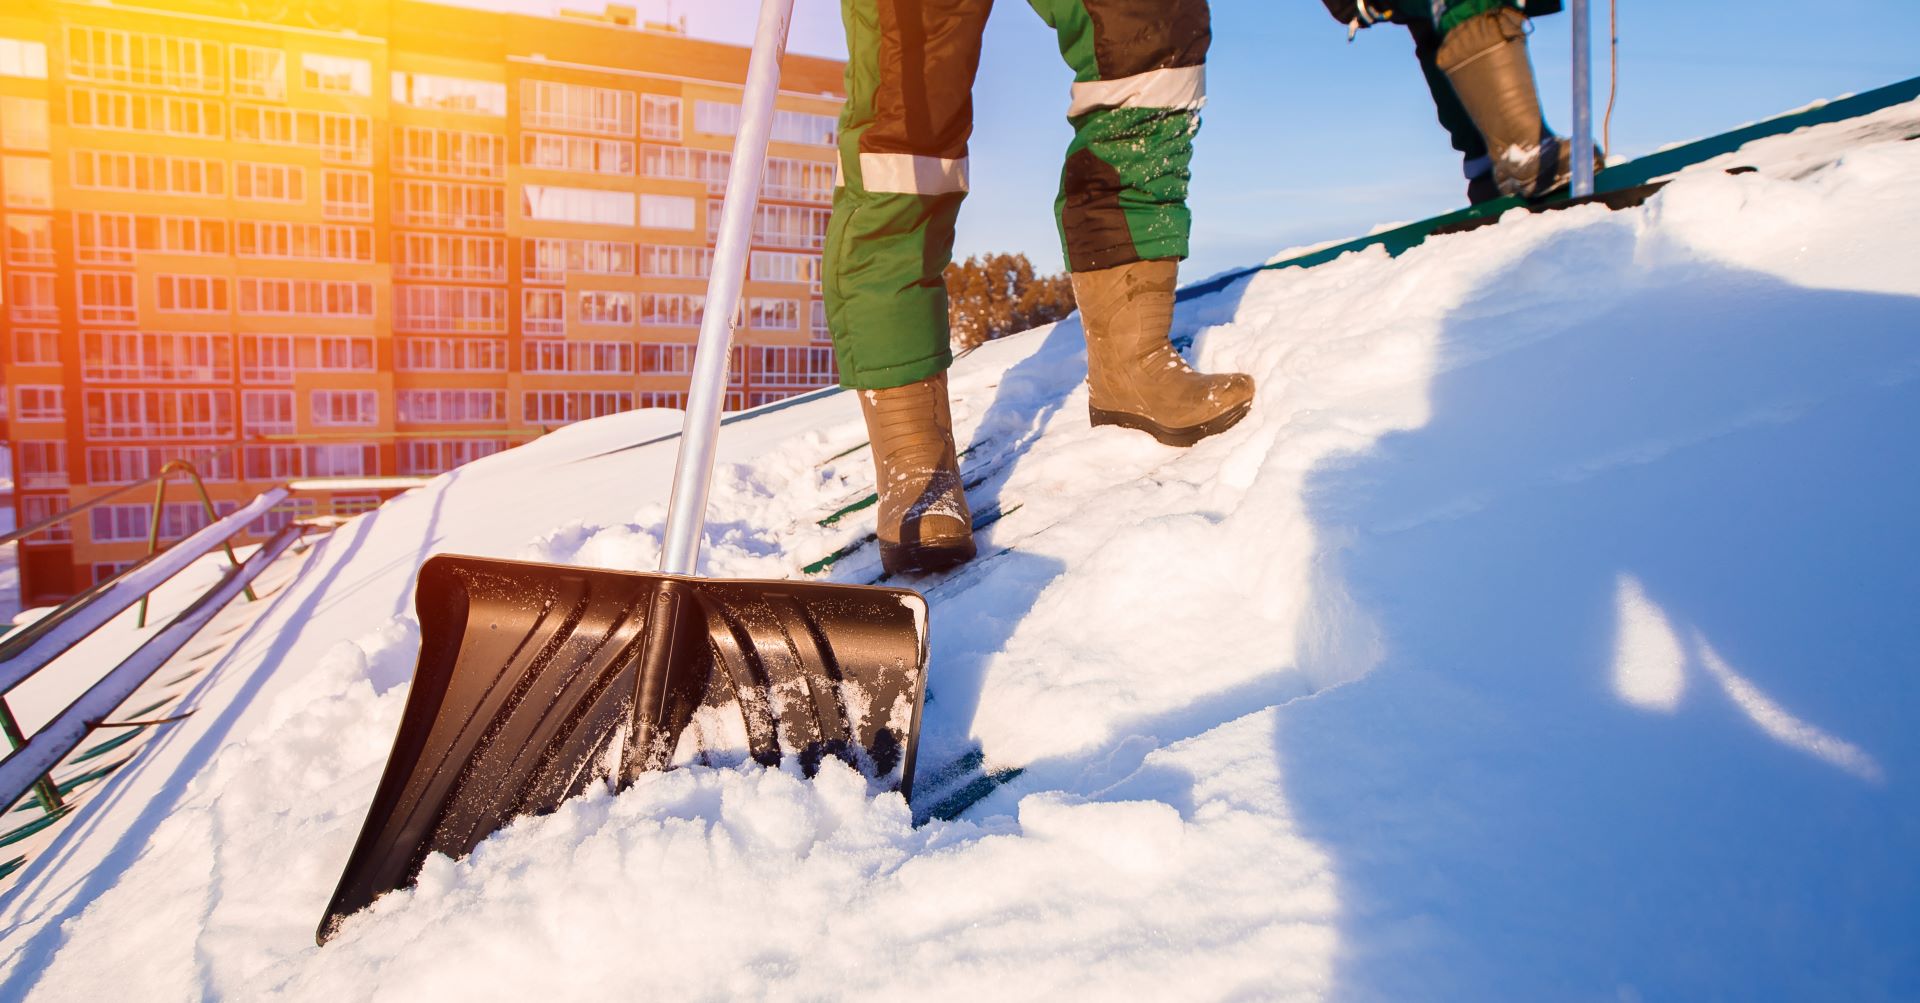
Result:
x=530 y=674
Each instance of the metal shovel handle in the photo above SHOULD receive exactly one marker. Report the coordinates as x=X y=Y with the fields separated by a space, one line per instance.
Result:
x=693 y=470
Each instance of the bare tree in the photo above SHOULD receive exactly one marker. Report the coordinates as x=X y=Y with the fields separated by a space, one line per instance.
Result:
x=993 y=295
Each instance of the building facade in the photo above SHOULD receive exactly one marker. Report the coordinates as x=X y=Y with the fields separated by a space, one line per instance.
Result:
x=316 y=238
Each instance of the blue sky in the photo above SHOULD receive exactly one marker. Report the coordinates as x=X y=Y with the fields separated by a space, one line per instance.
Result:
x=1307 y=138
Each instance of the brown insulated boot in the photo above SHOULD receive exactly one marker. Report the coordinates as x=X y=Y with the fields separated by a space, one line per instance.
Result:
x=924 y=522
x=1136 y=378
x=1485 y=58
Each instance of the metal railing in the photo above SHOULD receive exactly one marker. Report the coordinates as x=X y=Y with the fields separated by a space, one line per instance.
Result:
x=28 y=650
x=31 y=765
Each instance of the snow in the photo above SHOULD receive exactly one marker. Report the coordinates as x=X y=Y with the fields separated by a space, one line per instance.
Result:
x=1546 y=632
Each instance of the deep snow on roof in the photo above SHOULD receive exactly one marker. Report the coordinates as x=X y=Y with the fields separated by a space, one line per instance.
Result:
x=1546 y=632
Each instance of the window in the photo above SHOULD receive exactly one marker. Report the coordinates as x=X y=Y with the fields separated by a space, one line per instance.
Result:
x=671 y=399
x=21 y=58
x=666 y=360
x=660 y=117
x=36 y=348
x=102 y=238
x=112 y=238
x=427 y=457
x=576 y=205
x=269 y=182
x=674 y=261
x=450 y=309
x=448 y=407
x=679 y=163
x=670 y=309
x=576 y=153
x=180 y=235
x=341 y=139
x=340 y=353
x=159 y=414
x=148 y=173
x=157 y=113
x=543 y=311
x=162 y=357
x=606 y=308
x=336 y=74
x=306 y=297
x=806 y=128
x=40 y=464
x=719 y=119
x=273 y=463
x=267 y=412
x=23 y=124
x=423 y=150
x=819 y=325
x=543 y=259
x=450 y=355
x=303 y=241
x=123 y=57
x=549 y=259
x=558 y=407
x=106 y=298
x=119 y=523
x=602 y=357
x=192 y=293
x=781 y=225
x=666 y=212
x=34 y=508
x=39 y=404
x=345 y=407
x=341 y=461
x=716 y=118
x=798 y=180
x=773 y=315
x=29 y=240
x=450 y=205
x=425 y=90
x=28 y=182
x=347 y=194
x=781 y=266
x=547 y=104
x=257 y=72
x=30 y=298
x=449 y=256
x=266 y=358
x=793 y=366
x=129 y=523
x=131 y=464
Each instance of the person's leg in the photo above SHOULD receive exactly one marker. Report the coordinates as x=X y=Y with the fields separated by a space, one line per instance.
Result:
x=1475 y=165
x=903 y=164
x=1483 y=52
x=1139 y=81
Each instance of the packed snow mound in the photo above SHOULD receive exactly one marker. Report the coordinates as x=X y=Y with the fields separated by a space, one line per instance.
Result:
x=1546 y=632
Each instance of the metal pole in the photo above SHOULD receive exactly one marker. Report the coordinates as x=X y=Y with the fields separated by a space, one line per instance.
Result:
x=693 y=471
x=1582 y=100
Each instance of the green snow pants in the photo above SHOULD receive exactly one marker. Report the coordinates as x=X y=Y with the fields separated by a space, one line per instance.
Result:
x=1139 y=81
x=1447 y=14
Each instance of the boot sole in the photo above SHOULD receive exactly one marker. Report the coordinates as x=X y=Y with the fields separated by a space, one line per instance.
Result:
x=924 y=559
x=1171 y=436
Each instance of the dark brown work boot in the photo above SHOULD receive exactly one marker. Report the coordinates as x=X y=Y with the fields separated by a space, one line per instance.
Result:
x=1485 y=58
x=924 y=522
x=1136 y=378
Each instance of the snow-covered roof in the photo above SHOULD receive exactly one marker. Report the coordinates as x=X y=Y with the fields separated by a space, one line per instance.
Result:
x=1546 y=631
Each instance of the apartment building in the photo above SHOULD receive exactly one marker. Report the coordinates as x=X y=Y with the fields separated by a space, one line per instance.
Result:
x=313 y=238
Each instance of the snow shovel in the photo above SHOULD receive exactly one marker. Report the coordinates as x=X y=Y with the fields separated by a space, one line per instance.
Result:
x=537 y=681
